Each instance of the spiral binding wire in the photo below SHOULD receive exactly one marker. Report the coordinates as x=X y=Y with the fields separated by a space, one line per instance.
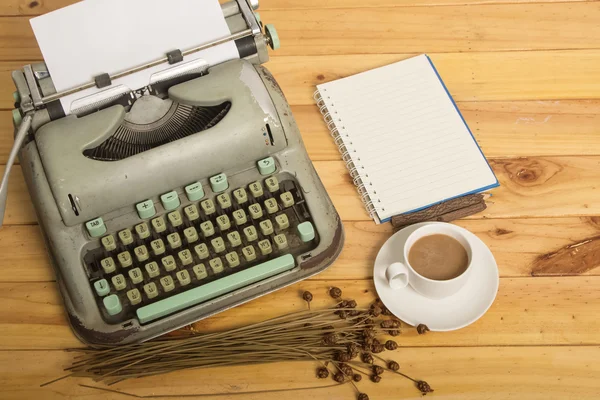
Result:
x=345 y=152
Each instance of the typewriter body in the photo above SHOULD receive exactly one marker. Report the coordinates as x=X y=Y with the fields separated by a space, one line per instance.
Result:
x=166 y=205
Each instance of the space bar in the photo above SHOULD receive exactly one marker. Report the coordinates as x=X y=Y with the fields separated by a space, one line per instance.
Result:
x=214 y=289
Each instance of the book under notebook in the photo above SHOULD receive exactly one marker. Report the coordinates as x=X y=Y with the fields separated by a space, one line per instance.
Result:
x=405 y=142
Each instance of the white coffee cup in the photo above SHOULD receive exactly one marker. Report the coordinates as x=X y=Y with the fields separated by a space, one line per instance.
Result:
x=400 y=274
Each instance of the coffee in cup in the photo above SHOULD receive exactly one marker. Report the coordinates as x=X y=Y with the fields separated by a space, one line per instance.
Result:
x=437 y=261
x=439 y=257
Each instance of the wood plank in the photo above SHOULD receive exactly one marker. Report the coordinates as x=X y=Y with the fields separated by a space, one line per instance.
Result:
x=399 y=30
x=517 y=245
x=530 y=187
x=517 y=75
x=31 y=7
x=497 y=76
x=426 y=29
x=527 y=311
x=517 y=128
x=502 y=129
x=560 y=373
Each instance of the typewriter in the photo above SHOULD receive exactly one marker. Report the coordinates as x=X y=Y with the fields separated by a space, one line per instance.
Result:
x=168 y=204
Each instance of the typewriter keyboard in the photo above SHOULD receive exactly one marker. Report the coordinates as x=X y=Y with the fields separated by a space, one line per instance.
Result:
x=216 y=243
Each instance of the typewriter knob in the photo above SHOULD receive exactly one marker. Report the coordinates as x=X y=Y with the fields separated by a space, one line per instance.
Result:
x=272 y=36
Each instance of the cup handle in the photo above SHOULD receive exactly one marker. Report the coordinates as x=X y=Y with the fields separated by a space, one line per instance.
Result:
x=397 y=275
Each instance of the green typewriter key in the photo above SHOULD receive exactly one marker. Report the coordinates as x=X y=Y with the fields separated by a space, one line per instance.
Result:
x=108 y=265
x=282 y=221
x=306 y=231
x=218 y=183
x=224 y=201
x=168 y=263
x=266 y=166
x=170 y=201
x=112 y=304
x=249 y=253
x=266 y=227
x=146 y=209
x=234 y=239
x=239 y=216
x=194 y=191
x=151 y=290
x=223 y=222
x=191 y=212
x=271 y=206
x=251 y=234
x=108 y=242
x=96 y=227
x=202 y=251
x=240 y=196
x=199 y=271
x=102 y=288
x=136 y=276
x=256 y=189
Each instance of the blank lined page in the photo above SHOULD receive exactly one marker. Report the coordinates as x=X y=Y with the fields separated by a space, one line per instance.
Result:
x=406 y=138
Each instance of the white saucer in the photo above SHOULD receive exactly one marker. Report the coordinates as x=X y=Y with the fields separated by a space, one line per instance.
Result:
x=454 y=312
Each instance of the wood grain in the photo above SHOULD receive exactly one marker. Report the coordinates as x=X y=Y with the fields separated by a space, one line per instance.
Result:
x=426 y=29
x=30 y=7
x=526 y=185
x=516 y=75
x=517 y=245
x=529 y=187
x=386 y=30
x=527 y=311
x=552 y=373
x=502 y=129
x=524 y=75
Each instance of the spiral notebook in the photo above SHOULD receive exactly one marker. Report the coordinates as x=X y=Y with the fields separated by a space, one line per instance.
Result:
x=405 y=143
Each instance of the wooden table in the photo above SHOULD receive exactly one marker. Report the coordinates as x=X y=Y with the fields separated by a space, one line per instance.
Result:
x=526 y=75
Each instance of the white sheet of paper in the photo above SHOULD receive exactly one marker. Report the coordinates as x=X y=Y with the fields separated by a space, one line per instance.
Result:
x=93 y=37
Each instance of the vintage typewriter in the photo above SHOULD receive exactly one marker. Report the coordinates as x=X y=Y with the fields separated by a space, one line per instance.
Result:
x=182 y=199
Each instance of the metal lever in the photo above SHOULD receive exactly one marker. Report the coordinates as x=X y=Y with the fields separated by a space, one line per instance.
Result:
x=19 y=139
